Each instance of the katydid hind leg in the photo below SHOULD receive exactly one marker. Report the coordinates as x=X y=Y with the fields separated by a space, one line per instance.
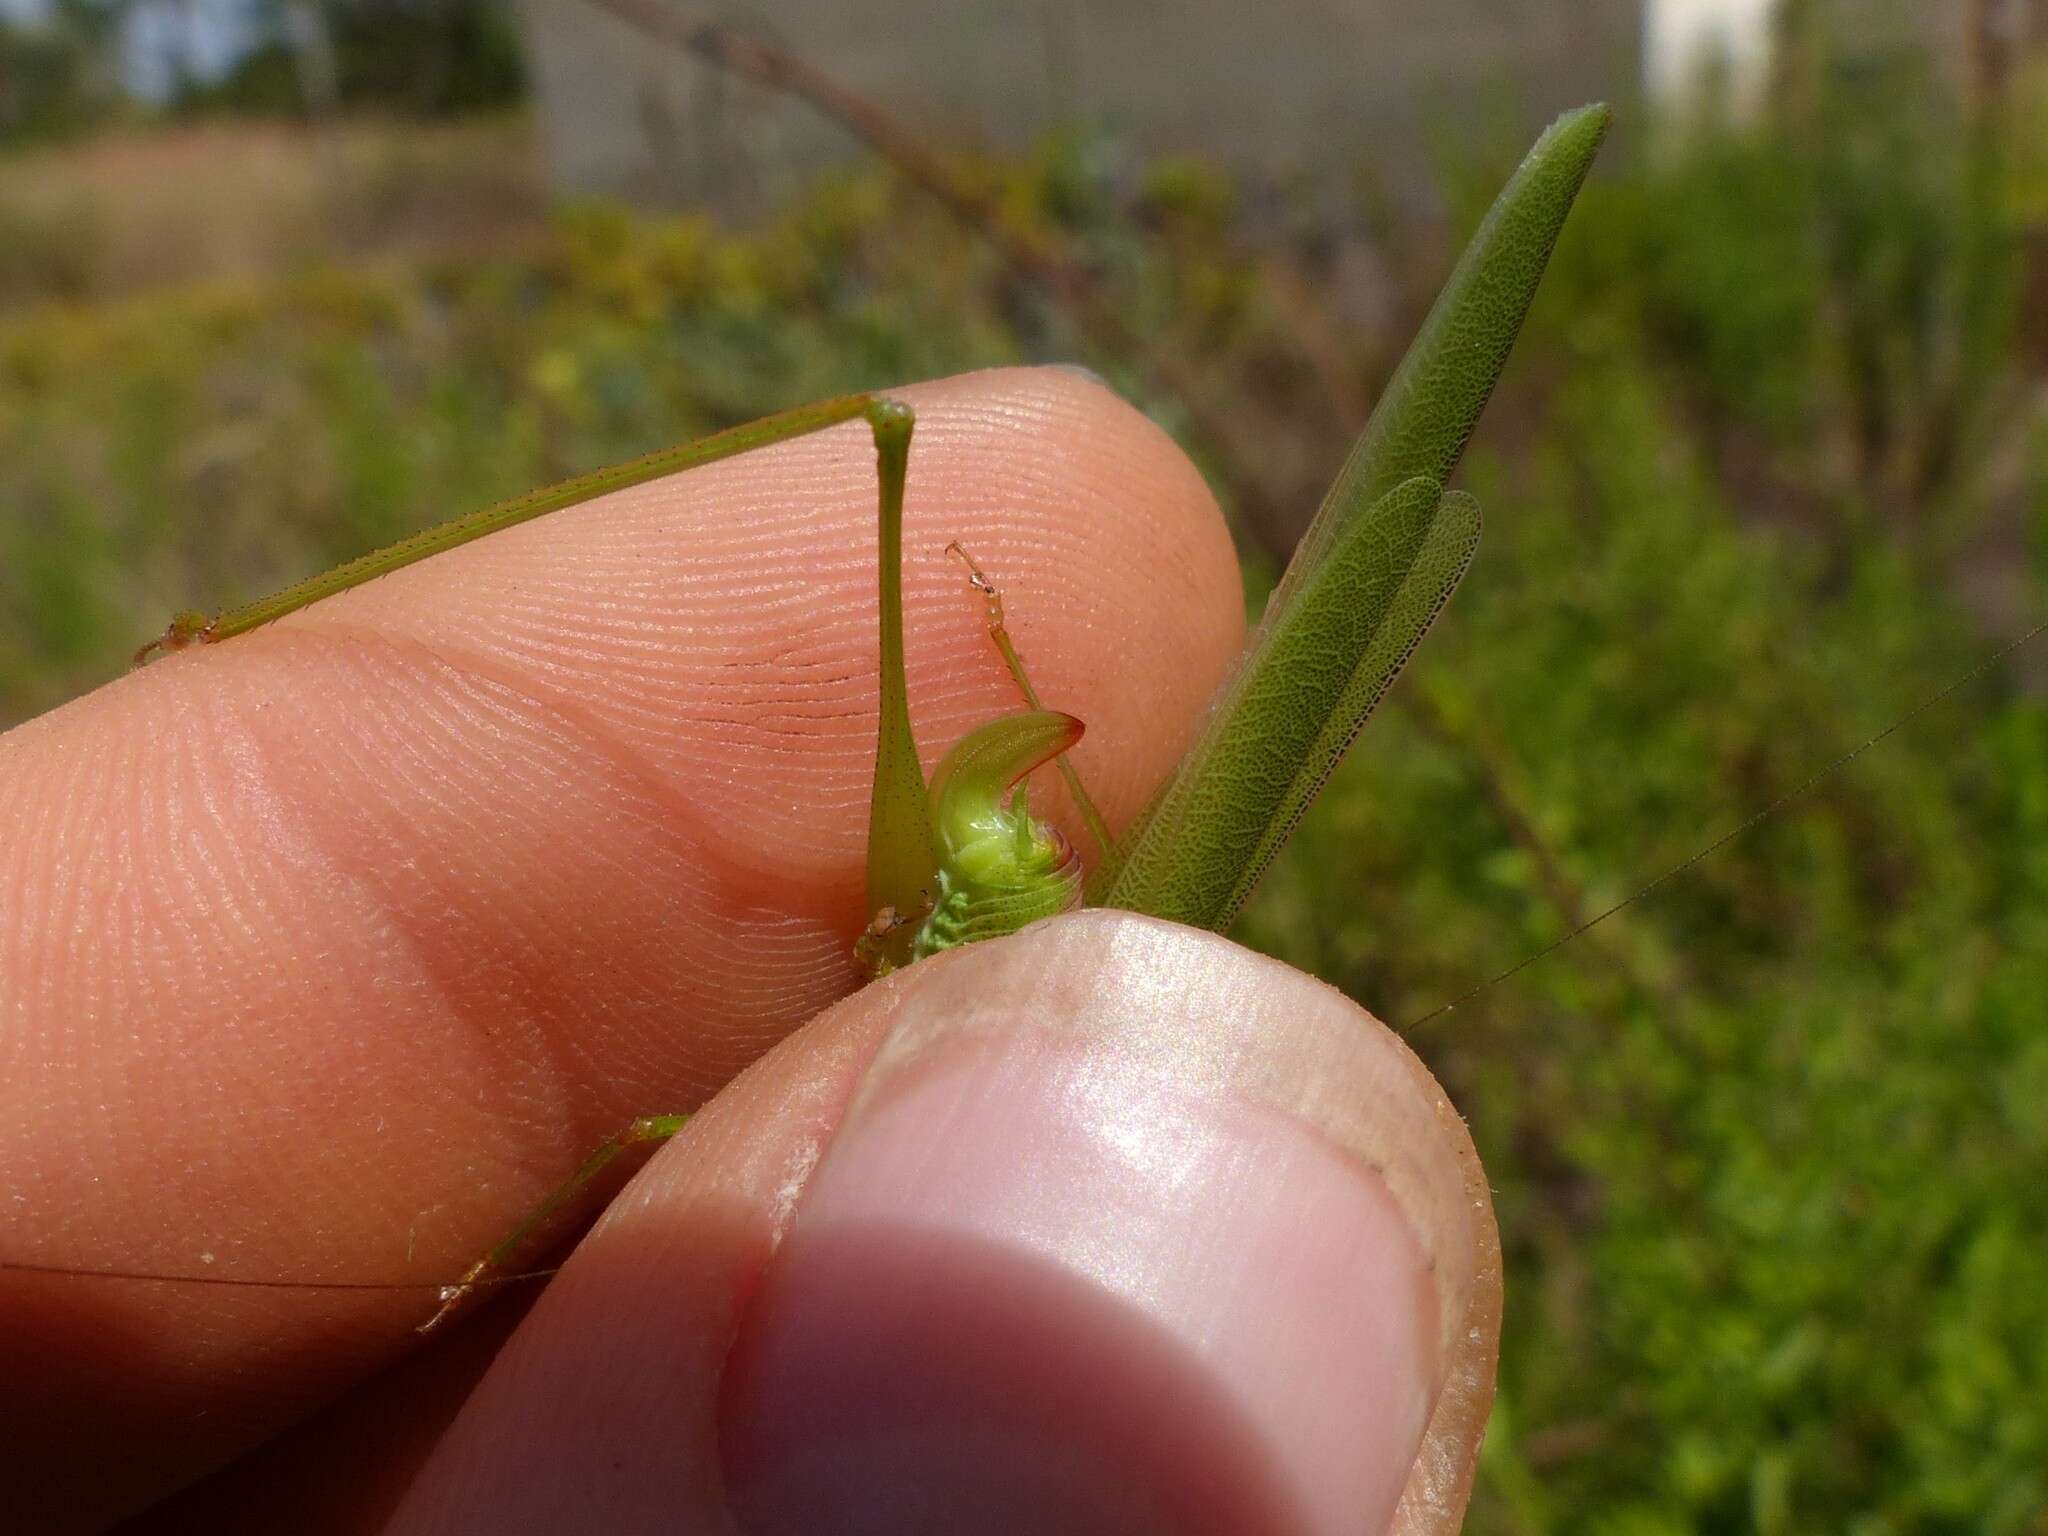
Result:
x=191 y=627
x=902 y=871
x=901 y=874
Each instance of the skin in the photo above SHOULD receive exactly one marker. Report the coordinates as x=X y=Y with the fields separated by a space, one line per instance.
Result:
x=326 y=951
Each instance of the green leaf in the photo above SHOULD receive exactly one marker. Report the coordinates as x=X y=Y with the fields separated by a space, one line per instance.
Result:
x=1375 y=567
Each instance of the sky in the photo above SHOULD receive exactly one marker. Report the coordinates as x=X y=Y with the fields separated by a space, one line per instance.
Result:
x=172 y=39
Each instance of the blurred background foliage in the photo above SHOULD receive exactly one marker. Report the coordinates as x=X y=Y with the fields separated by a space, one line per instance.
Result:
x=1771 y=1146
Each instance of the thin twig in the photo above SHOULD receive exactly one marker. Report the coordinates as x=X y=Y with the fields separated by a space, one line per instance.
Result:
x=1558 y=887
x=1482 y=750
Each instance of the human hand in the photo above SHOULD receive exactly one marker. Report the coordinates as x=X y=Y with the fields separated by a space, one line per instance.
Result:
x=328 y=950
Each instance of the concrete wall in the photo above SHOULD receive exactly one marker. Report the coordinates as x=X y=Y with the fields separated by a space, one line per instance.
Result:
x=1728 y=46
x=1269 y=88
x=1686 y=40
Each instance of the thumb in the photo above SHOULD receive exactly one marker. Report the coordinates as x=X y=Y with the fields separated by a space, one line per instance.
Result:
x=1109 y=1226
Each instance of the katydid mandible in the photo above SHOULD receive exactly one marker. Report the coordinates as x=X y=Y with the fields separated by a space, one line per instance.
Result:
x=964 y=858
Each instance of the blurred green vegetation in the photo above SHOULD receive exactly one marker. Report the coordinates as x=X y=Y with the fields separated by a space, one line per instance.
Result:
x=1770 y=1147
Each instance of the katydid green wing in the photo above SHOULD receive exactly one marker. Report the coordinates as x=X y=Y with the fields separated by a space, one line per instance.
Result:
x=1381 y=558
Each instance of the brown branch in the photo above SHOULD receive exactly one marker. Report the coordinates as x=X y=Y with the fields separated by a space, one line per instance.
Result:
x=1030 y=256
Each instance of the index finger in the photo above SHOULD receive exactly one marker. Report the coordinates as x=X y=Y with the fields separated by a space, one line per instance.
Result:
x=328 y=949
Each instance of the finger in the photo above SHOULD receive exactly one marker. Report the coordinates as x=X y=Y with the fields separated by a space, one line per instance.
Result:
x=328 y=949
x=1108 y=1226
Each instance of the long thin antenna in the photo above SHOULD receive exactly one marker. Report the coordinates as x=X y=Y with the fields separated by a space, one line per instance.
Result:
x=1800 y=791
x=167 y=1277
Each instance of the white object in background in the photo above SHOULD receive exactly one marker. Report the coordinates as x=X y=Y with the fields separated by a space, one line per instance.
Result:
x=1689 y=42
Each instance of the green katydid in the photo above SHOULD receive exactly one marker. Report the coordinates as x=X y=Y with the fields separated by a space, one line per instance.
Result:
x=964 y=858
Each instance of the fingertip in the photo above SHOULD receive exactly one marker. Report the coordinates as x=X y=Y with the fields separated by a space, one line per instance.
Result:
x=1110 y=1225
x=468 y=865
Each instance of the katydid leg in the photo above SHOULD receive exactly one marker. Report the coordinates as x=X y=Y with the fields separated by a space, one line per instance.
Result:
x=543 y=1223
x=902 y=866
x=999 y=632
x=900 y=861
x=194 y=628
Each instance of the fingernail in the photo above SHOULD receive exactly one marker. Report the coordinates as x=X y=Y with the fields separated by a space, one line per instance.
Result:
x=1051 y=1277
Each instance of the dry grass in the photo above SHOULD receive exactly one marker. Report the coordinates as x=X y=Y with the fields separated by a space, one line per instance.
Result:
x=130 y=211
